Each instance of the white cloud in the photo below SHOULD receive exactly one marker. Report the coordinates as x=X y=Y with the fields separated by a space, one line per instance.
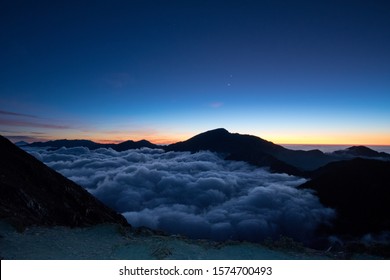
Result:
x=199 y=195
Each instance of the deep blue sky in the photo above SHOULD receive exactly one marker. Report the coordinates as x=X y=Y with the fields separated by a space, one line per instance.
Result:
x=287 y=71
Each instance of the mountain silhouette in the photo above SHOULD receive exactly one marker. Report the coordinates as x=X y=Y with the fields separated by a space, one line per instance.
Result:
x=56 y=144
x=254 y=150
x=359 y=190
x=68 y=144
x=241 y=147
x=21 y=143
x=33 y=194
x=361 y=151
x=133 y=145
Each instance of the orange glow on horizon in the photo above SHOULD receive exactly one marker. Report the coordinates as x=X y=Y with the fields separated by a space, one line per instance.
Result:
x=166 y=138
x=380 y=140
x=368 y=140
x=157 y=139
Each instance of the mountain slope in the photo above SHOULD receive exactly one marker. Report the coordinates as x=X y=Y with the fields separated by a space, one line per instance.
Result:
x=32 y=193
x=254 y=150
x=359 y=190
x=236 y=147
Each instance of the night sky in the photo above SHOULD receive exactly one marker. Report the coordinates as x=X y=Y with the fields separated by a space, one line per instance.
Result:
x=287 y=71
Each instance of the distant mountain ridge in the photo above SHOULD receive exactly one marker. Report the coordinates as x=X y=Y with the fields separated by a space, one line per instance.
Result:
x=93 y=145
x=242 y=147
x=68 y=144
x=21 y=143
x=361 y=151
x=33 y=194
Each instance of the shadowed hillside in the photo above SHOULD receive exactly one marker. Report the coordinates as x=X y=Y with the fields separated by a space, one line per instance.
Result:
x=33 y=194
x=359 y=190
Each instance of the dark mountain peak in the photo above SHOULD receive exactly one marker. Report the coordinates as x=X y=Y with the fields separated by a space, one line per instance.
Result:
x=130 y=144
x=145 y=143
x=254 y=150
x=359 y=148
x=33 y=194
x=234 y=146
x=21 y=143
x=361 y=151
x=221 y=134
x=217 y=131
x=126 y=142
x=140 y=142
x=67 y=143
x=220 y=138
x=210 y=135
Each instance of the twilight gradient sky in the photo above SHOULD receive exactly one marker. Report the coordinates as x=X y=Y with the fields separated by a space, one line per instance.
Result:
x=287 y=71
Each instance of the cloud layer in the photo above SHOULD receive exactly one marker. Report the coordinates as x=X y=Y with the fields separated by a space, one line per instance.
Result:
x=198 y=195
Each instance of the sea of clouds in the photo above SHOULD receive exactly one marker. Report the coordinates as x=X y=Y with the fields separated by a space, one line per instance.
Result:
x=198 y=195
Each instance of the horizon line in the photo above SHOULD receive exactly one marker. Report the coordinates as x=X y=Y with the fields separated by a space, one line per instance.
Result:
x=14 y=139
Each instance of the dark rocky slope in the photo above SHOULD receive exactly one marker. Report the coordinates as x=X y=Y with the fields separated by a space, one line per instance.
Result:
x=33 y=194
x=359 y=190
